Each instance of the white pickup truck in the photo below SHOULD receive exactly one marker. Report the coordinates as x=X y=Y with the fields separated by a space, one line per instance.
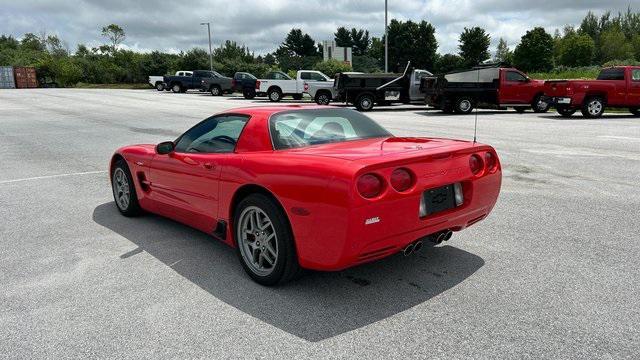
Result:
x=158 y=81
x=279 y=85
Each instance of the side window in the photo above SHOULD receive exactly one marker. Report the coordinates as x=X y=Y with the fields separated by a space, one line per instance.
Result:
x=329 y=127
x=305 y=76
x=611 y=74
x=317 y=77
x=180 y=73
x=635 y=74
x=514 y=76
x=218 y=134
x=419 y=75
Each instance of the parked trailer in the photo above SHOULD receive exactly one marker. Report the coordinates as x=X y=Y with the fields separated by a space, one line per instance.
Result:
x=25 y=77
x=7 y=80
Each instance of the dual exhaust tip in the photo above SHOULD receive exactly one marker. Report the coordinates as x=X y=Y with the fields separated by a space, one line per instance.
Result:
x=436 y=238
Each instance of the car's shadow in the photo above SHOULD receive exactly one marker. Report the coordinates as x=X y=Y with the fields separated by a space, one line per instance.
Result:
x=315 y=307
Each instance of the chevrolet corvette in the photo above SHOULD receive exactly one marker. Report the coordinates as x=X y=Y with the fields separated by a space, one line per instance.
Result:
x=307 y=187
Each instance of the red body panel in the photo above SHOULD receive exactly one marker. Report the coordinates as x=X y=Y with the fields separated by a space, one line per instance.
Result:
x=616 y=93
x=518 y=92
x=316 y=188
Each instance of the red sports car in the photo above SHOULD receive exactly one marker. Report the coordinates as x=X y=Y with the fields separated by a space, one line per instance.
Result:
x=320 y=188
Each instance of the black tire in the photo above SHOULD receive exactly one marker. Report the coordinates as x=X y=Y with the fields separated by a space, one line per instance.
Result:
x=593 y=107
x=160 y=86
x=249 y=93
x=286 y=266
x=297 y=96
x=176 y=88
x=540 y=106
x=132 y=207
x=215 y=90
x=323 y=98
x=274 y=94
x=635 y=111
x=565 y=111
x=464 y=105
x=520 y=109
x=365 y=102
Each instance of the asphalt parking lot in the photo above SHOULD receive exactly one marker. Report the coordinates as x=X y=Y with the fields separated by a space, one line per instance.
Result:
x=552 y=273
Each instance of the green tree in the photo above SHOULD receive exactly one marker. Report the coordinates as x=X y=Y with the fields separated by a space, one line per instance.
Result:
x=299 y=44
x=360 y=41
x=535 y=51
x=474 y=45
x=331 y=67
x=31 y=41
x=449 y=62
x=342 y=37
x=269 y=59
x=614 y=46
x=231 y=50
x=194 y=59
x=590 y=26
x=115 y=34
x=576 y=50
x=635 y=43
x=410 y=41
x=503 y=53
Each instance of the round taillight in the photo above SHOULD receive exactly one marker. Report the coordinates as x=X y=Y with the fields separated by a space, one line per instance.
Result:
x=401 y=179
x=491 y=162
x=475 y=163
x=369 y=185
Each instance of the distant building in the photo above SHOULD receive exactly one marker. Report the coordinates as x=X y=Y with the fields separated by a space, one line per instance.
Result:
x=331 y=51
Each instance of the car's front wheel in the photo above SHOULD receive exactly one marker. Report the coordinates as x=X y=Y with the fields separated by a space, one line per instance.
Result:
x=124 y=191
x=323 y=98
x=264 y=241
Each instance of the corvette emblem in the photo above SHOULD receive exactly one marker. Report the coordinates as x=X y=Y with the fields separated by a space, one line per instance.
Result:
x=372 y=220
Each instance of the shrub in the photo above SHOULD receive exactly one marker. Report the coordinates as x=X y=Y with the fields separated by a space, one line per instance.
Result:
x=331 y=67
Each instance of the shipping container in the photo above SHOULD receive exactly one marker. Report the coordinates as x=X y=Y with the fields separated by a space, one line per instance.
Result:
x=25 y=77
x=7 y=81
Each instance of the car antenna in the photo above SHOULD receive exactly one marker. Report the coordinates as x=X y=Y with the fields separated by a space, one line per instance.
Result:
x=475 y=124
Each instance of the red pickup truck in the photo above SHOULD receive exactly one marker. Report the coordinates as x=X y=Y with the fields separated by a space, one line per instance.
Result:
x=615 y=87
x=484 y=87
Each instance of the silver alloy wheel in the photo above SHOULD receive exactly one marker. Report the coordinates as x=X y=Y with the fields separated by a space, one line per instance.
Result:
x=176 y=88
x=159 y=86
x=542 y=105
x=257 y=240
x=323 y=99
x=121 y=189
x=274 y=96
x=594 y=107
x=215 y=91
x=365 y=103
x=464 y=105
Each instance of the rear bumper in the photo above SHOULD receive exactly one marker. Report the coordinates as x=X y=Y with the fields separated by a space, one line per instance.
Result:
x=558 y=100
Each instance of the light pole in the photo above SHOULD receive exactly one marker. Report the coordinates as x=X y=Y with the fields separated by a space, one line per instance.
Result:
x=386 y=39
x=210 y=53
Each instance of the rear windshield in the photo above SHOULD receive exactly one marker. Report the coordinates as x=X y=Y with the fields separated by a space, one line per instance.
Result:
x=299 y=128
x=611 y=74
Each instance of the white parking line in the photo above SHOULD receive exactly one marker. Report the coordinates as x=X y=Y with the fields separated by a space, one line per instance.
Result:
x=51 y=176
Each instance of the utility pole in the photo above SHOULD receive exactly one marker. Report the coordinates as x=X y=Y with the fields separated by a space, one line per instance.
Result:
x=210 y=52
x=386 y=40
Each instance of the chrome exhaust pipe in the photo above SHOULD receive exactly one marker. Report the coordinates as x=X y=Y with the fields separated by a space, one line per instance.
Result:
x=447 y=235
x=417 y=246
x=408 y=250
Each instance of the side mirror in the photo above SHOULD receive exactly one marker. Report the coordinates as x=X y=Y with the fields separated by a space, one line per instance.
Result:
x=165 y=147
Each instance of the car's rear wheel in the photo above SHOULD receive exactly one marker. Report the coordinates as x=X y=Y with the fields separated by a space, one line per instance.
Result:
x=464 y=105
x=323 y=98
x=593 y=107
x=539 y=105
x=159 y=86
x=364 y=102
x=176 y=88
x=124 y=191
x=264 y=241
x=635 y=111
x=274 y=94
x=249 y=93
x=215 y=90
x=565 y=111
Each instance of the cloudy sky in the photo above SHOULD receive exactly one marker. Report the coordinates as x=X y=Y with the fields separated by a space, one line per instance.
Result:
x=262 y=24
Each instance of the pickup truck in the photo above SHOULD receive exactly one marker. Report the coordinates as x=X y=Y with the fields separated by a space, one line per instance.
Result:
x=217 y=84
x=283 y=85
x=617 y=87
x=188 y=80
x=484 y=87
x=323 y=92
x=365 y=90
x=244 y=83
x=158 y=81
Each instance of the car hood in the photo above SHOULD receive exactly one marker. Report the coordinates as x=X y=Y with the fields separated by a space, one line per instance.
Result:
x=382 y=147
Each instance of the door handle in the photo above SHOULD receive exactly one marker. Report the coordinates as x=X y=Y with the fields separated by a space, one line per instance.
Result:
x=208 y=166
